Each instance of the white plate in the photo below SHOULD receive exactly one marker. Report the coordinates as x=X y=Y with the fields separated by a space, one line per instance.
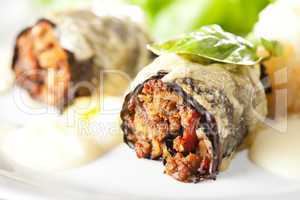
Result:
x=120 y=175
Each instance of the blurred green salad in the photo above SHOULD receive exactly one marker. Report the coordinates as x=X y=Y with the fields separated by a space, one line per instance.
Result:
x=169 y=18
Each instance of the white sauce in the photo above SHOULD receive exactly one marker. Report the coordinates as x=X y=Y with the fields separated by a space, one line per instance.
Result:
x=279 y=152
x=48 y=144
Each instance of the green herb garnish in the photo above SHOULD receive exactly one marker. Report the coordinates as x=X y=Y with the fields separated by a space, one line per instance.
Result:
x=211 y=43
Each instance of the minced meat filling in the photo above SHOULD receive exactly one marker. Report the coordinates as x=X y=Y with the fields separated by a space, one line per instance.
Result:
x=163 y=126
x=41 y=66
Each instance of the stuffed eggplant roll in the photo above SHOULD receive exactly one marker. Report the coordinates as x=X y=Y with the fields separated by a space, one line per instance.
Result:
x=59 y=52
x=195 y=104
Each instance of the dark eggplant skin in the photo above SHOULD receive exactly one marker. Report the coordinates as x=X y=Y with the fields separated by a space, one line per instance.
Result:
x=206 y=118
x=229 y=102
x=101 y=43
x=220 y=150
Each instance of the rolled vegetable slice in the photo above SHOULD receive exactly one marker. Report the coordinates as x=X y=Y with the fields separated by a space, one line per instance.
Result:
x=55 y=58
x=192 y=115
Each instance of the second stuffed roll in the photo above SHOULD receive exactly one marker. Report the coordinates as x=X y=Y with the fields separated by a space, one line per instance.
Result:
x=193 y=109
x=62 y=55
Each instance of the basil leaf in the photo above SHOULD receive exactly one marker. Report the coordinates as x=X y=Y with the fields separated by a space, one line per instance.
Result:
x=211 y=43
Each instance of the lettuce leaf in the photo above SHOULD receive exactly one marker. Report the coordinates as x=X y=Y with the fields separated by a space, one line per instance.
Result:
x=169 y=18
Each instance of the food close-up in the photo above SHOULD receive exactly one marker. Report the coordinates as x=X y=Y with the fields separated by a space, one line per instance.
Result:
x=150 y=99
x=194 y=112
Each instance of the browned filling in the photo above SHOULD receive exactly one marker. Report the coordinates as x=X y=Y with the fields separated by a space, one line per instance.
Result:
x=163 y=126
x=41 y=65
